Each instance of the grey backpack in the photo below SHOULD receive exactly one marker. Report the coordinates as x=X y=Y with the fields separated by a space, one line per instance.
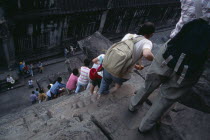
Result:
x=119 y=57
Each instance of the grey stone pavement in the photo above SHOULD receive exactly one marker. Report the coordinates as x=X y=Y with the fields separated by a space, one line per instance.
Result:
x=17 y=99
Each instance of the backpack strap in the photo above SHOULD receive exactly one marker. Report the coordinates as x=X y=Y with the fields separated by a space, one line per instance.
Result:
x=198 y=8
x=137 y=39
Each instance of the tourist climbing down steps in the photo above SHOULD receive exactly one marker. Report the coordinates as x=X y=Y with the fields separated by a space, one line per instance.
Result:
x=96 y=73
x=122 y=57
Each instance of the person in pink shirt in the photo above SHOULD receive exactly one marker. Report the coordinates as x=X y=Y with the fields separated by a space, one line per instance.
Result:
x=72 y=82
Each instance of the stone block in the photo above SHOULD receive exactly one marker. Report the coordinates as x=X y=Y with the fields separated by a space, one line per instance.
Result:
x=199 y=97
x=75 y=62
x=190 y=124
x=136 y=80
x=43 y=83
x=73 y=130
x=143 y=72
x=119 y=123
x=94 y=45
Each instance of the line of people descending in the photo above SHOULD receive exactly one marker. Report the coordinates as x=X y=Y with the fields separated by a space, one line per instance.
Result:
x=54 y=90
x=97 y=79
x=38 y=96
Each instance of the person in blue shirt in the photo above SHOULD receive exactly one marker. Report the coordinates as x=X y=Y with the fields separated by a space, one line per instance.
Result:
x=57 y=88
x=21 y=67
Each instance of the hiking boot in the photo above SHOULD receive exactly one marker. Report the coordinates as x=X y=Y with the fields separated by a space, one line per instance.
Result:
x=132 y=108
x=148 y=102
x=141 y=131
x=155 y=127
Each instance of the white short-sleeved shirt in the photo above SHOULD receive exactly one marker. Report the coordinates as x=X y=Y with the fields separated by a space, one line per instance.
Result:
x=100 y=58
x=10 y=79
x=139 y=46
x=48 y=93
x=30 y=82
x=138 y=49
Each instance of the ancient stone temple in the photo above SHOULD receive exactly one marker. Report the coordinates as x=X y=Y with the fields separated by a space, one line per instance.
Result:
x=36 y=29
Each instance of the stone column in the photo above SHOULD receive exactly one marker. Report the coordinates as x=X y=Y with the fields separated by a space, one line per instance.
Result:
x=103 y=20
x=5 y=49
x=103 y=17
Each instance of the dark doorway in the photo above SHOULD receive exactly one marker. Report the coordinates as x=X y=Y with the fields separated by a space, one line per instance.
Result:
x=2 y=55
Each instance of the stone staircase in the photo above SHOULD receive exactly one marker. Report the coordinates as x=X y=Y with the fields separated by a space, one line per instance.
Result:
x=79 y=116
x=82 y=117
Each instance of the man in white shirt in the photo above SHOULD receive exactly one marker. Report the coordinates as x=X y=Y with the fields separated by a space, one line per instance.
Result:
x=10 y=82
x=141 y=49
x=30 y=83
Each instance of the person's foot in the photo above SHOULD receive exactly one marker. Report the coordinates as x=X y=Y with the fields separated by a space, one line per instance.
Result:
x=145 y=132
x=11 y=87
x=174 y=110
x=98 y=96
x=141 y=131
x=155 y=127
x=8 y=88
x=132 y=108
x=148 y=102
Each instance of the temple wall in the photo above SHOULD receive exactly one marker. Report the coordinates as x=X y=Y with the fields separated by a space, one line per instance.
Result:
x=43 y=28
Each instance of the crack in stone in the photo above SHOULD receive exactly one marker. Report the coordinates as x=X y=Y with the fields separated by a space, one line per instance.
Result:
x=137 y=72
x=25 y=124
x=49 y=114
x=101 y=128
x=79 y=116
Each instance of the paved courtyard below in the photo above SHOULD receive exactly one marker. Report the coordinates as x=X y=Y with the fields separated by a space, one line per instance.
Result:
x=17 y=99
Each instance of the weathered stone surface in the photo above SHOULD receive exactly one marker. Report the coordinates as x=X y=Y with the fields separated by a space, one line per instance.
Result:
x=189 y=123
x=202 y=88
x=199 y=97
x=94 y=45
x=143 y=72
x=83 y=117
x=49 y=79
x=75 y=62
x=43 y=83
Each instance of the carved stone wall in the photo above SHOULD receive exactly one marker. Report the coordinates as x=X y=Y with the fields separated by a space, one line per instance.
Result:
x=42 y=28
